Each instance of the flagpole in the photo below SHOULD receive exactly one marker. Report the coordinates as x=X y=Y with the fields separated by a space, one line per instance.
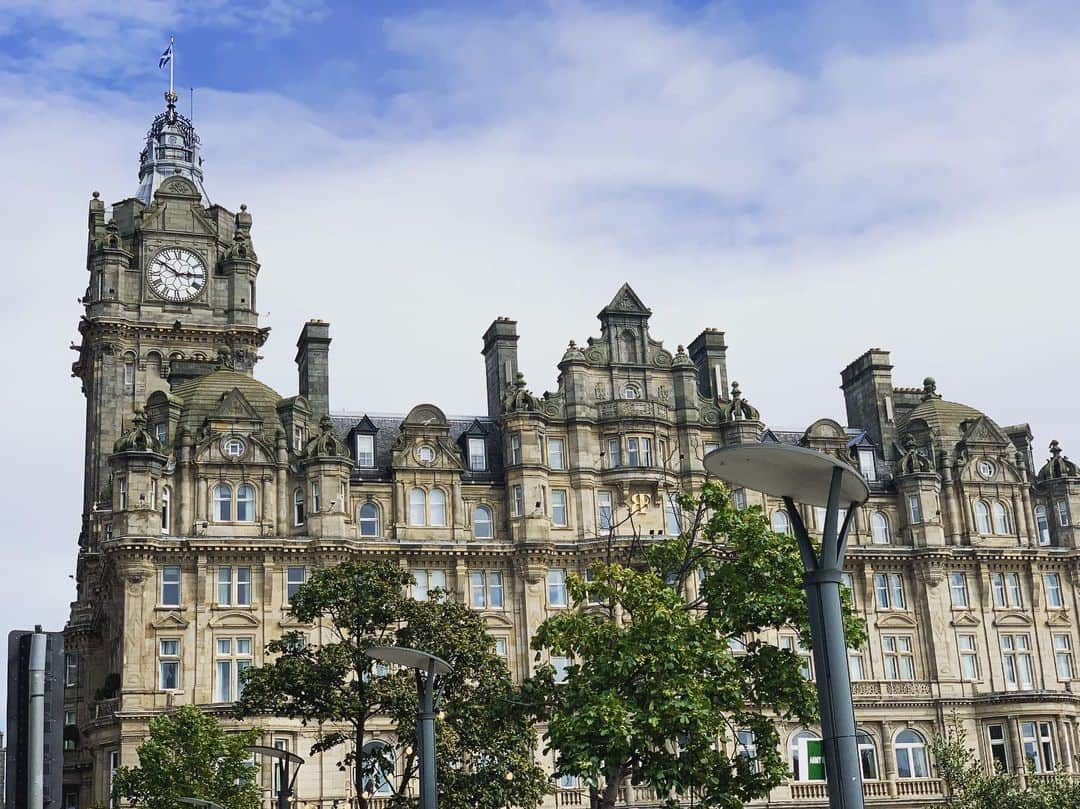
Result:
x=172 y=62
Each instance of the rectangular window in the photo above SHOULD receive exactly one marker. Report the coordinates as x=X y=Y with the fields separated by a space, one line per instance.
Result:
x=738 y=497
x=478 y=589
x=518 y=501
x=426 y=581
x=170 y=586
x=294 y=578
x=613 y=452
x=515 y=448
x=898 y=657
x=1006 y=589
x=114 y=765
x=315 y=493
x=169 y=664
x=1062 y=513
x=486 y=589
x=365 y=450
x=914 y=509
x=121 y=486
x=69 y=721
x=1063 y=659
x=556 y=587
x=243 y=586
x=129 y=374
x=556 y=454
x=856 y=667
x=847 y=588
x=604 y=512
x=1012 y=586
x=231 y=657
x=672 y=523
x=558 y=507
x=502 y=647
x=1037 y=742
x=999 y=748
x=889 y=591
x=161 y=432
x=71 y=669
x=1054 y=596
x=958 y=591
x=224 y=586
x=477 y=454
x=866 y=464
x=1016 y=662
x=969 y=657
x=791 y=643
x=560 y=664
x=495 y=589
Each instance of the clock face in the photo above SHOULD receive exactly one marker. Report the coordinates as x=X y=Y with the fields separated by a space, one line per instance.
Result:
x=176 y=275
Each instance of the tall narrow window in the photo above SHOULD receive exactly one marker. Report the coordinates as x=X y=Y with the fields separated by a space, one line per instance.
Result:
x=1001 y=518
x=738 y=497
x=169 y=664
x=69 y=744
x=969 y=656
x=806 y=665
x=879 y=529
x=365 y=450
x=129 y=374
x=114 y=765
x=867 y=755
x=1016 y=662
x=515 y=448
x=914 y=509
x=672 y=523
x=604 y=512
x=294 y=580
x=166 y=503
x=71 y=669
x=298 y=507
x=1062 y=509
x=1042 y=525
x=781 y=523
x=243 y=586
x=613 y=453
x=417 y=507
x=556 y=459
x=556 y=587
x=495 y=589
x=898 y=656
x=982 y=517
x=232 y=657
x=1037 y=741
x=170 y=586
x=121 y=488
x=1054 y=597
x=224 y=586
x=518 y=500
x=999 y=747
x=478 y=589
x=646 y=452
x=161 y=432
x=633 y=453
x=558 y=508
x=958 y=589
x=866 y=464
x=437 y=507
x=245 y=503
x=1012 y=585
x=316 y=493
x=1063 y=659
x=368 y=519
x=483 y=525
x=477 y=454
x=222 y=502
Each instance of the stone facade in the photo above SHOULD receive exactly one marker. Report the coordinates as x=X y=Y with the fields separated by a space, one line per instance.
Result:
x=209 y=496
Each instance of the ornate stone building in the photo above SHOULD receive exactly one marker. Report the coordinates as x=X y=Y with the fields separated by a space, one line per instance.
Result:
x=209 y=497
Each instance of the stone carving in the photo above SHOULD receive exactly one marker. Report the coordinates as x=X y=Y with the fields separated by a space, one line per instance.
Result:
x=326 y=444
x=138 y=438
x=518 y=399
x=738 y=409
x=930 y=389
x=1059 y=465
x=913 y=462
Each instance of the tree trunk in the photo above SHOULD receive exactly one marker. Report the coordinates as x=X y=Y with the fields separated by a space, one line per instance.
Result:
x=612 y=783
x=361 y=801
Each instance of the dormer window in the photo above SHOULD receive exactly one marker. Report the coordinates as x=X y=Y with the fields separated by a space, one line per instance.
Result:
x=365 y=451
x=234 y=447
x=477 y=454
x=161 y=432
x=426 y=453
x=298 y=437
x=866 y=463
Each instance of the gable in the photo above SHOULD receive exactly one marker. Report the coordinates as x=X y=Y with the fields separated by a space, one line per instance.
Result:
x=626 y=301
x=965 y=619
x=170 y=620
x=234 y=407
x=984 y=431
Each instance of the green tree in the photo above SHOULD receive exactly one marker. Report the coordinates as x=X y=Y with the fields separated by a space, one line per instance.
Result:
x=654 y=682
x=484 y=742
x=189 y=755
x=970 y=786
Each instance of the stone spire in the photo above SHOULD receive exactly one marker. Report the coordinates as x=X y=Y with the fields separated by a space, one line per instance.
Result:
x=172 y=149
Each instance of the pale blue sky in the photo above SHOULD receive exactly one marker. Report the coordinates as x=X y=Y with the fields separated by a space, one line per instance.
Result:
x=813 y=178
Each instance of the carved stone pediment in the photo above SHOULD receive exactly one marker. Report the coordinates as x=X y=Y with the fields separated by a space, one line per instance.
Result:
x=1059 y=618
x=498 y=619
x=1012 y=619
x=896 y=620
x=965 y=619
x=234 y=618
x=170 y=620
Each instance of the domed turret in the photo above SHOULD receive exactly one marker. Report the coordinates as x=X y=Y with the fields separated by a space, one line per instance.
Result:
x=172 y=149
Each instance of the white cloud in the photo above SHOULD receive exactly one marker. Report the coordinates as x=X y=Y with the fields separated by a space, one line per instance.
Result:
x=921 y=198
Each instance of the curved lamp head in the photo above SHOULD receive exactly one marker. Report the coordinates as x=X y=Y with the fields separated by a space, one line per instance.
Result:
x=273 y=752
x=782 y=470
x=410 y=658
x=198 y=802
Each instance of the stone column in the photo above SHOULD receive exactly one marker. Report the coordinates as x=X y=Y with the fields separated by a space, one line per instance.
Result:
x=1016 y=752
x=1023 y=533
x=1064 y=751
x=888 y=757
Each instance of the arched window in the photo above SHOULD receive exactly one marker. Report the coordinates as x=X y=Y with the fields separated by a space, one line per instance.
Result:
x=482 y=523
x=166 y=502
x=1042 y=524
x=368 y=518
x=982 y=517
x=245 y=503
x=437 y=507
x=867 y=755
x=781 y=523
x=879 y=529
x=222 y=502
x=378 y=782
x=911 y=760
x=806 y=756
x=1001 y=518
x=629 y=346
x=298 y=507
x=417 y=507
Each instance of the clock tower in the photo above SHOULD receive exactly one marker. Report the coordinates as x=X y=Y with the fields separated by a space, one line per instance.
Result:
x=171 y=296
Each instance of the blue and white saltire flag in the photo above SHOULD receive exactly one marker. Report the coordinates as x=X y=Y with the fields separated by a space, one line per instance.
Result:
x=166 y=57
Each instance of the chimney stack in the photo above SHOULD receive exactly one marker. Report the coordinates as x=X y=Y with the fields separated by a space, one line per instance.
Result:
x=313 y=366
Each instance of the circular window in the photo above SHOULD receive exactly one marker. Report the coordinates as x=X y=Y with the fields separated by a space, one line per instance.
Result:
x=630 y=392
x=426 y=453
x=986 y=468
x=234 y=447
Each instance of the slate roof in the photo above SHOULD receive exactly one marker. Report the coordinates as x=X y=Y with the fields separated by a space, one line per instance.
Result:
x=388 y=427
x=202 y=396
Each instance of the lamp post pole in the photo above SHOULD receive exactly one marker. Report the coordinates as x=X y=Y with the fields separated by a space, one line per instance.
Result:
x=801 y=475
x=282 y=760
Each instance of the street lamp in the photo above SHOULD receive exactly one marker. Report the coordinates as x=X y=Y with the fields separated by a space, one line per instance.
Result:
x=803 y=475
x=428 y=667
x=284 y=759
x=198 y=802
